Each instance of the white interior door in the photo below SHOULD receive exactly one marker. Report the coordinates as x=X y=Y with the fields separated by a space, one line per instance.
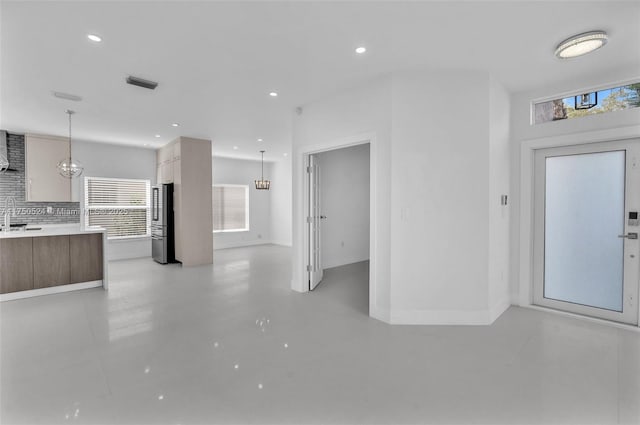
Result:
x=586 y=250
x=314 y=222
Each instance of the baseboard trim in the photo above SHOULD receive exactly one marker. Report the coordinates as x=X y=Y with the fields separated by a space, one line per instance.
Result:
x=280 y=243
x=51 y=290
x=498 y=309
x=218 y=245
x=344 y=263
x=441 y=317
x=380 y=314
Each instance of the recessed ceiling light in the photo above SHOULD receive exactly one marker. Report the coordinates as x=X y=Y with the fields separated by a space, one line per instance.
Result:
x=285 y=154
x=235 y=148
x=361 y=50
x=175 y=124
x=581 y=44
x=157 y=136
x=273 y=94
x=95 y=38
x=259 y=140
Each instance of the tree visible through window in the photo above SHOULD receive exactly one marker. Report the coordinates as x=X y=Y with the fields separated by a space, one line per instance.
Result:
x=230 y=208
x=603 y=101
x=119 y=205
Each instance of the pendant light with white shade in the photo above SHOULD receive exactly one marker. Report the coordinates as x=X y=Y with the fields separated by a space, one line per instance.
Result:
x=69 y=167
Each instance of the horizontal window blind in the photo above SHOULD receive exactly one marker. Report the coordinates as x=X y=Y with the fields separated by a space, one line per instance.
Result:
x=119 y=205
x=230 y=208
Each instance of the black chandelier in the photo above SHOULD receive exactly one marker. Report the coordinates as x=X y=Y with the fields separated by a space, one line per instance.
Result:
x=262 y=184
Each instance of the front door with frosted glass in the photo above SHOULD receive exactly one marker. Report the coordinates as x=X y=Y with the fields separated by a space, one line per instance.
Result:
x=586 y=247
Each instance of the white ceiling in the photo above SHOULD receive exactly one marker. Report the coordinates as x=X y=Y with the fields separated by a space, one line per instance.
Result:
x=216 y=62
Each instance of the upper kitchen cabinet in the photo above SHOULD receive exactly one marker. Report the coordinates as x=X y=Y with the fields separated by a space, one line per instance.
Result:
x=164 y=161
x=43 y=182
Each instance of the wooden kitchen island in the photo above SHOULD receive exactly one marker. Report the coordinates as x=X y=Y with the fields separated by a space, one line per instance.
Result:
x=51 y=260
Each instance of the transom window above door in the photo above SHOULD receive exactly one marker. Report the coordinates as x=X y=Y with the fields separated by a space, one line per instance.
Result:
x=586 y=103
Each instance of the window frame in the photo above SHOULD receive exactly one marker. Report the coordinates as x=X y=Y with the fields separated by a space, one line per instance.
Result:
x=247 y=221
x=87 y=209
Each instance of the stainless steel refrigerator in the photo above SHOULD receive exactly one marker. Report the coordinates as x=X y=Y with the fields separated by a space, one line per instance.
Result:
x=162 y=228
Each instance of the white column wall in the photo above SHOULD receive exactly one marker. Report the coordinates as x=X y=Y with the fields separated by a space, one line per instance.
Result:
x=281 y=209
x=499 y=184
x=440 y=194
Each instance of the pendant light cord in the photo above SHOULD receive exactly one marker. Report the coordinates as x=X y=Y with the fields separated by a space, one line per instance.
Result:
x=69 y=112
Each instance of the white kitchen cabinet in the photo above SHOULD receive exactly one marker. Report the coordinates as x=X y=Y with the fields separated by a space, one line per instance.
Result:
x=164 y=167
x=43 y=183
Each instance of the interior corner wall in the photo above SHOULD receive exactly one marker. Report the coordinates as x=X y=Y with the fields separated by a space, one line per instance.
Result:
x=115 y=161
x=344 y=195
x=522 y=130
x=363 y=111
x=440 y=162
x=499 y=185
x=281 y=188
x=244 y=172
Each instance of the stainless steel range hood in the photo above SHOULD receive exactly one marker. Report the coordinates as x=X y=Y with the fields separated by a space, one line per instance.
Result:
x=4 y=152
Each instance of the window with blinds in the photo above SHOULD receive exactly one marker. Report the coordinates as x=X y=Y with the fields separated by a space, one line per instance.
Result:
x=119 y=205
x=230 y=208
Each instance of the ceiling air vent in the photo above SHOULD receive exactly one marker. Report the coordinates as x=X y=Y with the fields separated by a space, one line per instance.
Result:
x=140 y=82
x=67 y=96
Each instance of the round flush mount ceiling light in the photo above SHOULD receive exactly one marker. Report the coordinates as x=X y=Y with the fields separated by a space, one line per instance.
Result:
x=175 y=124
x=95 y=38
x=581 y=44
x=273 y=94
x=361 y=50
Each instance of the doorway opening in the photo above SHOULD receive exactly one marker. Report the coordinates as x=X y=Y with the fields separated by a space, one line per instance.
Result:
x=586 y=246
x=338 y=221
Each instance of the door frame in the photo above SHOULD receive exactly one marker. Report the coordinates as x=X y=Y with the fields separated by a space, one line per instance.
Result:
x=628 y=315
x=300 y=281
x=526 y=210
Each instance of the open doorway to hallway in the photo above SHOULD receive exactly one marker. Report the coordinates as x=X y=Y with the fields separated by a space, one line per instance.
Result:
x=339 y=220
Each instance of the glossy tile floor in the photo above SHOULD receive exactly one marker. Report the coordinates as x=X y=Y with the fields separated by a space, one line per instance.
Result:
x=233 y=344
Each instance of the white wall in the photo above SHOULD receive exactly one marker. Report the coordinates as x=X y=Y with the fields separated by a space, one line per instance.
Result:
x=358 y=115
x=440 y=170
x=522 y=130
x=239 y=171
x=281 y=188
x=344 y=194
x=443 y=190
x=116 y=161
x=499 y=184
x=437 y=140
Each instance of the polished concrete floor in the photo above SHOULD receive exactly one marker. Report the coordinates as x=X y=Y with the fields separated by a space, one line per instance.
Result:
x=232 y=344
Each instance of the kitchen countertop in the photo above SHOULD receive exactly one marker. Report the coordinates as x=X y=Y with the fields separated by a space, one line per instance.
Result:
x=50 y=230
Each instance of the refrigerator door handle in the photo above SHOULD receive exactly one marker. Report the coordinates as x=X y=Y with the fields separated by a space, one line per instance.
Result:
x=154 y=206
